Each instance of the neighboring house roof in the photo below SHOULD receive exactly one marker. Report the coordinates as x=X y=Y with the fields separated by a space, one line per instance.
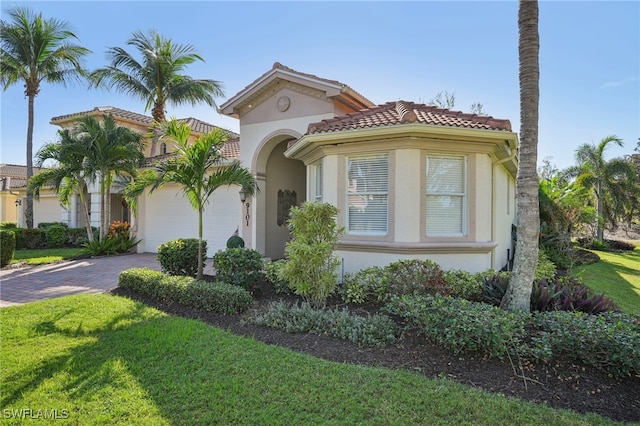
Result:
x=116 y=112
x=231 y=150
x=402 y=112
x=197 y=126
x=333 y=88
x=13 y=176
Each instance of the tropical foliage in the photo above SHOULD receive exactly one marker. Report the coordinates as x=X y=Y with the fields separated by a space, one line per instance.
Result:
x=199 y=168
x=156 y=75
x=34 y=50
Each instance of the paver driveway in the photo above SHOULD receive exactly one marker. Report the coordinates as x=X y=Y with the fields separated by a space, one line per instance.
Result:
x=94 y=275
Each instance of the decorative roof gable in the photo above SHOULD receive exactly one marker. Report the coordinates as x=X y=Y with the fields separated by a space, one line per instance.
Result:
x=333 y=89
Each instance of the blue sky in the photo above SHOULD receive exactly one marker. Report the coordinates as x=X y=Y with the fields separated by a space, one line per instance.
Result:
x=589 y=59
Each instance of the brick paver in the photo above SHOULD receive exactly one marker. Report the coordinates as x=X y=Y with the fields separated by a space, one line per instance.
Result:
x=95 y=275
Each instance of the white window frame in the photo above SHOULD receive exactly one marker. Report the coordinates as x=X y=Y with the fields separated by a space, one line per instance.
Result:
x=443 y=192
x=318 y=184
x=366 y=194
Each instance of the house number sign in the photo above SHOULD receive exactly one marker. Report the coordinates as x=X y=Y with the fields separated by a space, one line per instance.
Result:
x=247 y=216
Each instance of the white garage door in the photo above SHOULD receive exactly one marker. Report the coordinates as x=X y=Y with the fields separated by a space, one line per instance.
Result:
x=167 y=215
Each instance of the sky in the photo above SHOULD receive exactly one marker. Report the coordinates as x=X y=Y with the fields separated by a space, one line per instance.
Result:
x=387 y=51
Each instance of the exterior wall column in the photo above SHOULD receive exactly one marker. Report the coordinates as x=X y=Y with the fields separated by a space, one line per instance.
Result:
x=406 y=197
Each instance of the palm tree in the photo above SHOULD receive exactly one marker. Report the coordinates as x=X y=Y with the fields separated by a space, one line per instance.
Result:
x=108 y=150
x=612 y=182
x=67 y=177
x=199 y=169
x=35 y=50
x=518 y=295
x=156 y=78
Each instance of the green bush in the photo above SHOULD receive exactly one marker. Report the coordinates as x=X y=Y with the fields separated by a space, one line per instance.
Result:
x=216 y=297
x=239 y=266
x=235 y=241
x=369 y=285
x=546 y=269
x=45 y=225
x=111 y=245
x=7 y=247
x=494 y=286
x=31 y=238
x=271 y=272
x=8 y=225
x=55 y=236
x=415 y=277
x=370 y=330
x=463 y=284
x=77 y=237
x=609 y=342
x=180 y=257
x=461 y=325
x=311 y=268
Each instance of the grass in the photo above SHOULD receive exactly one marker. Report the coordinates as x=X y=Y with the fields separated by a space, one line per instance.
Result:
x=617 y=275
x=101 y=359
x=44 y=256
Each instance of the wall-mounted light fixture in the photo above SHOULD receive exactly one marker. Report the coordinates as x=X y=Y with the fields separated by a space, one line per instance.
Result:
x=243 y=196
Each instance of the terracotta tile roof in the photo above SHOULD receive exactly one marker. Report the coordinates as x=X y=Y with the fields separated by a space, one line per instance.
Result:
x=230 y=150
x=8 y=183
x=401 y=112
x=198 y=126
x=116 y=112
x=14 y=170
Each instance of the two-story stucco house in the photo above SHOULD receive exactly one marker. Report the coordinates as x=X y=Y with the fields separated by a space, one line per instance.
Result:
x=409 y=180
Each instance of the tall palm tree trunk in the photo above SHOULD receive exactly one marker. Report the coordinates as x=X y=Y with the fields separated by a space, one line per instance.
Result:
x=28 y=212
x=518 y=295
x=85 y=212
x=200 y=273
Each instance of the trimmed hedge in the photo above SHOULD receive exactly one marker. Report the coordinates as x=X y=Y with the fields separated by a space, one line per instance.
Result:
x=609 y=342
x=216 y=297
x=370 y=330
x=7 y=247
x=180 y=257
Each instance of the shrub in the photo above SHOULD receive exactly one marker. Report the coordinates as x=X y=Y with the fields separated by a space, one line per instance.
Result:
x=8 y=225
x=568 y=295
x=462 y=325
x=464 y=284
x=494 y=286
x=77 y=237
x=235 y=241
x=20 y=243
x=45 y=225
x=609 y=342
x=31 y=238
x=216 y=297
x=7 y=247
x=238 y=266
x=369 y=285
x=370 y=330
x=180 y=257
x=272 y=271
x=311 y=266
x=55 y=236
x=415 y=277
x=546 y=268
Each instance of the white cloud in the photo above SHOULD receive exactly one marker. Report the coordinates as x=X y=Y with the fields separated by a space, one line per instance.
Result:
x=618 y=83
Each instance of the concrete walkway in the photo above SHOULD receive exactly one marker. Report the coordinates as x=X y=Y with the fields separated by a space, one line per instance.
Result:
x=95 y=275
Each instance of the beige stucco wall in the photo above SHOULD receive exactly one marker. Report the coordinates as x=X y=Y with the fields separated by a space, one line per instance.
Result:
x=8 y=208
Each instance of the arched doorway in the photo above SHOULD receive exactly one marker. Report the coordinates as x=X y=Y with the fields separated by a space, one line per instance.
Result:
x=283 y=186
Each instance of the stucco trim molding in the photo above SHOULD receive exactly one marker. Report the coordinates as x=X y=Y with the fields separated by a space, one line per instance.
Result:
x=417 y=248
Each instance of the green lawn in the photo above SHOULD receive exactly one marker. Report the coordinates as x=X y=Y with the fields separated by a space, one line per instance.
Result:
x=43 y=256
x=617 y=275
x=101 y=359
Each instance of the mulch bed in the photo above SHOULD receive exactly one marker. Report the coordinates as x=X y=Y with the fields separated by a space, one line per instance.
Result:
x=560 y=384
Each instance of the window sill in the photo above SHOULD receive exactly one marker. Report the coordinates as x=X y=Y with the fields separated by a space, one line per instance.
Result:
x=417 y=248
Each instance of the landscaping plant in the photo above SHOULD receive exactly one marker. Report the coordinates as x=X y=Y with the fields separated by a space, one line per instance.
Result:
x=311 y=268
x=238 y=266
x=180 y=257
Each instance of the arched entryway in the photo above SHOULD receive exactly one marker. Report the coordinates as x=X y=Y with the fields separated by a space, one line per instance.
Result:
x=282 y=185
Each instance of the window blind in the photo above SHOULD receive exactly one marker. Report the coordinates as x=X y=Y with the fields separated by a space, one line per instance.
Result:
x=446 y=195
x=367 y=194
